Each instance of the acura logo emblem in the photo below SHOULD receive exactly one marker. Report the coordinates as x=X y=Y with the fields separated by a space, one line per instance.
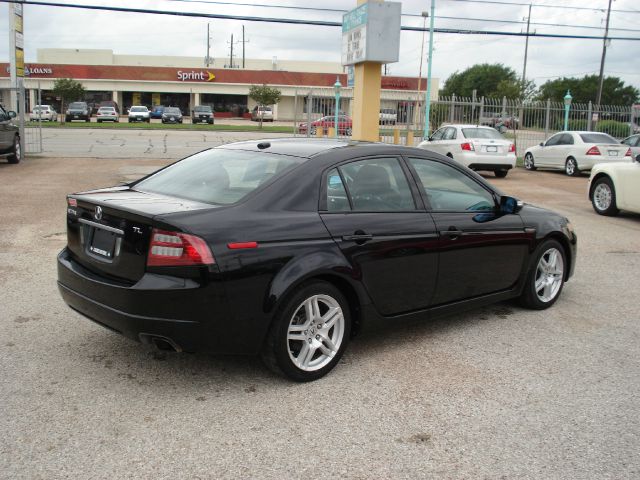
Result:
x=98 y=213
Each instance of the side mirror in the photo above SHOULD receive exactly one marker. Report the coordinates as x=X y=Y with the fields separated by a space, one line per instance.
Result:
x=509 y=205
x=12 y=114
x=542 y=144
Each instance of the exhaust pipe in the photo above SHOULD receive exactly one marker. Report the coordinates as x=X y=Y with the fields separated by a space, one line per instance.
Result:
x=161 y=343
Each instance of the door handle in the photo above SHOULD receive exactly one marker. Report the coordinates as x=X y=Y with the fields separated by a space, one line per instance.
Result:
x=452 y=233
x=358 y=236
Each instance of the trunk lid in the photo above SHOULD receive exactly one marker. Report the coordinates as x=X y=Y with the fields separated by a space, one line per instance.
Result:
x=108 y=231
x=612 y=151
x=490 y=147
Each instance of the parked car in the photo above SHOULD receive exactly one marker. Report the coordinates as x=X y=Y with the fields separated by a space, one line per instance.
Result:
x=156 y=111
x=615 y=186
x=262 y=111
x=109 y=103
x=500 y=123
x=634 y=142
x=345 y=125
x=575 y=152
x=476 y=147
x=107 y=114
x=9 y=136
x=139 y=113
x=172 y=115
x=388 y=116
x=285 y=247
x=78 y=111
x=44 y=113
x=202 y=113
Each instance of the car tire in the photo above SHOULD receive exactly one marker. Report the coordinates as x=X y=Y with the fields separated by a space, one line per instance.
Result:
x=545 y=277
x=16 y=151
x=320 y=340
x=571 y=167
x=313 y=130
x=603 y=197
x=67 y=119
x=348 y=132
x=529 y=163
x=501 y=173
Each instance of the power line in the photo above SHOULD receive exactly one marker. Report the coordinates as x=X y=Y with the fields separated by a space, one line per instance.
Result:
x=544 y=5
x=293 y=21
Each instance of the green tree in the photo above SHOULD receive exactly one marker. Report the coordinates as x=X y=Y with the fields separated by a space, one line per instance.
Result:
x=488 y=80
x=69 y=91
x=585 y=89
x=264 y=95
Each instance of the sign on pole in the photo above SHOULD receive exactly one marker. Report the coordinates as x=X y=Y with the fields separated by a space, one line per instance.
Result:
x=16 y=63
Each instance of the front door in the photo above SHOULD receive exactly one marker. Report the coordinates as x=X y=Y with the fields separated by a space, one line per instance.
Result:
x=481 y=250
x=390 y=242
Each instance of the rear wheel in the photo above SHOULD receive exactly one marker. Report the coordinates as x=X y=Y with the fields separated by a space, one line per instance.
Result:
x=501 y=173
x=603 y=197
x=16 y=154
x=571 y=167
x=348 y=132
x=545 y=277
x=529 y=164
x=309 y=333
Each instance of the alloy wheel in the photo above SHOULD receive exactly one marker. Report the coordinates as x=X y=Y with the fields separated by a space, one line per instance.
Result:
x=571 y=166
x=549 y=275
x=602 y=196
x=315 y=332
x=528 y=161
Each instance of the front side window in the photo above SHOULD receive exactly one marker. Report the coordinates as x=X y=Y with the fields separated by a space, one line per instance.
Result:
x=449 y=190
x=218 y=176
x=377 y=185
x=553 y=140
x=449 y=134
x=437 y=135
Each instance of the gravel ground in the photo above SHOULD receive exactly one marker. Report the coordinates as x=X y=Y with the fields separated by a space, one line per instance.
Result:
x=499 y=392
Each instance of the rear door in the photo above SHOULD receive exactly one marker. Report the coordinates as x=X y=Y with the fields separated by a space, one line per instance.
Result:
x=371 y=213
x=481 y=251
x=6 y=134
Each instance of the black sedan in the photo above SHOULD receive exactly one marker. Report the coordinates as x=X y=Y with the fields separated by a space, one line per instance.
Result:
x=171 y=115
x=285 y=248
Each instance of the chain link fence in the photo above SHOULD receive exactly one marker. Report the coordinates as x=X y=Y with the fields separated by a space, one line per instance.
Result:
x=30 y=131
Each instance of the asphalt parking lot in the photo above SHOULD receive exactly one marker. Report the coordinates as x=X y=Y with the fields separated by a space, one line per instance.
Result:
x=499 y=392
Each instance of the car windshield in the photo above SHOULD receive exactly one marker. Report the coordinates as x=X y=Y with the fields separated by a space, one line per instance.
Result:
x=138 y=109
x=172 y=110
x=218 y=176
x=597 y=138
x=203 y=109
x=477 y=132
x=77 y=105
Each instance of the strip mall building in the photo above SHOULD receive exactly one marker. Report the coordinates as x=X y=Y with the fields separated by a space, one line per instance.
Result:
x=185 y=82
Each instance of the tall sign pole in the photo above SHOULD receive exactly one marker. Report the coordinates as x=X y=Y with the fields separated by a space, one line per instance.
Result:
x=427 y=109
x=16 y=63
x=370 y=38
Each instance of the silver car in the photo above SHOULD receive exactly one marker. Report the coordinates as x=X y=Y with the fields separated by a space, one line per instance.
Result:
x=43 y=113
x=107 y=114
x=634 y=142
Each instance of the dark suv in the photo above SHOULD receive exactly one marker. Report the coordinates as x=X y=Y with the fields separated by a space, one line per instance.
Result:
x=202 y=113
x=78 y=111
x=9 y=137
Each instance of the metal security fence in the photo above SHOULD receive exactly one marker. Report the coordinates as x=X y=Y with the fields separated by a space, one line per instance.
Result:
x=402 y=116
x=30 y=132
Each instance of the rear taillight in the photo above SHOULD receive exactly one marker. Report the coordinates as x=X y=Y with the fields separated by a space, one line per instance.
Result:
x=512 y=148
x=468 y=146
x=170 y=249
x=593 y=151
x=629 y=153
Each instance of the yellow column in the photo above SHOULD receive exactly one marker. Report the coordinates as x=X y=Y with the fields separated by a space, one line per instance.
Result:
x=409 y=142
x=331 y=132
x=396 y=136
x=366 y=101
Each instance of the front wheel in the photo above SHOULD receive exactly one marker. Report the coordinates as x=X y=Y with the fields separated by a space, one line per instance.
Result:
x=545 y=277
x=603 y=197
x=571 y=167
x=529 y=164
x=309 y=333
x=348 y=132
x=16 y=154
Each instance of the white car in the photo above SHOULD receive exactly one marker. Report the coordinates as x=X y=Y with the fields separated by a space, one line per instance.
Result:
x=139 y=113
x=474 y=146
x=107 y=114
x=615 y=186
x=634 y=142
x=388 y=116
x=576 y=152
x=43 y=112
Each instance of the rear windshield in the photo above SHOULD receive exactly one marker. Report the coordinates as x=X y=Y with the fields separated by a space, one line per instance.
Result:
x=482 y=133
x=77 y=105
x=203 y=109
x=218 y=176
x=597 y=138
x=173 y=110
x=107 y=109
x=138 y=109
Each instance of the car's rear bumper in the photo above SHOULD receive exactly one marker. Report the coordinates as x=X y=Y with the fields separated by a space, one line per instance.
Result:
x=486 y=161
x=189 y=315
x=586 y=162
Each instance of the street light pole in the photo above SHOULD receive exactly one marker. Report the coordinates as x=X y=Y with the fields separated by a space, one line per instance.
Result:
x=424 y=27
x=567 y=106
x=427 y=109
x=336 y=87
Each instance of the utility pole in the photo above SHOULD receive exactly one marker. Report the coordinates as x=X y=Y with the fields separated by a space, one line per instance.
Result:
x=424 y=27
x=207 y=59
x=243 y=43
x=526 y=53
x=427 y=109
x=231 y=65
x=604 y=54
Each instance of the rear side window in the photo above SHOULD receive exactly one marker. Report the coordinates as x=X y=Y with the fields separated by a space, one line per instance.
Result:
x=337 y=200
x=218 y=176
x=597 y=138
